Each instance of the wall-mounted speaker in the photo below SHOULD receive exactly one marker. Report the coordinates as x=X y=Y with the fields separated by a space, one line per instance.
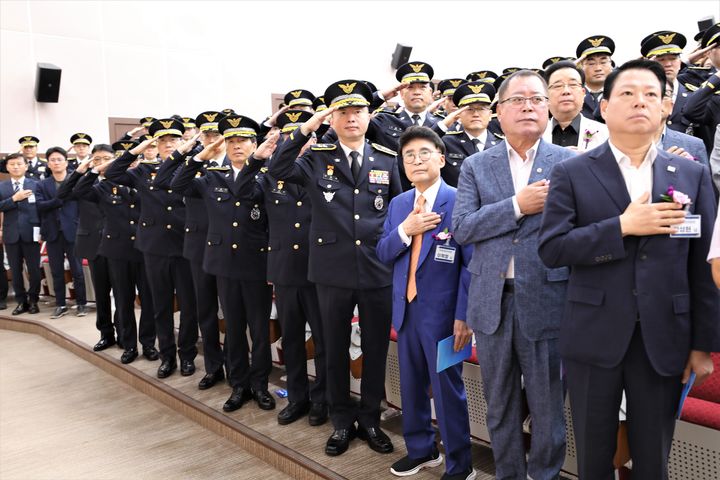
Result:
x=401 y=55
x=47 y=83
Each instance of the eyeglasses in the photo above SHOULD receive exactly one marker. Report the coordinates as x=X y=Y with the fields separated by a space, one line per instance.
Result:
x=423 y=155
x=535 y=101
x=102 y=159
x=478 y=109
x=560 y=86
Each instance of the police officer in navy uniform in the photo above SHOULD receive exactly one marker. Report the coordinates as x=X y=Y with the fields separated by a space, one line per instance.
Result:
x=594 y=56
x=236 y=251
x=350 y=183
x=196 y=229
x=289 y=214
x=474 y=98
x=665 y=48
x=81 y=146
x=160 y=238
x=121 y=208
x=36 y=166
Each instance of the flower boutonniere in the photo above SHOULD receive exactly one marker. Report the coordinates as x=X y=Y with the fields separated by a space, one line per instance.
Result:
x=445 y=236
x=676 y=196
x=587 y=136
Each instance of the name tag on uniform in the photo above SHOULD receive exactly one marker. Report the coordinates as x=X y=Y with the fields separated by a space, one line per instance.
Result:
x=220 y=190
x=381 y=177
x=445 y=254
x=690 y=228
x=31 y=198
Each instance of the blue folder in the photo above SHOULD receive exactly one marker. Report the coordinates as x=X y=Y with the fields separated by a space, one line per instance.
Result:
x=684 y=394
x=447 y=356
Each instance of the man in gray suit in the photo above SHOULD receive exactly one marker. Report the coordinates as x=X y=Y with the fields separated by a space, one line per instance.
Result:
x=515 y=303
x=715 y=159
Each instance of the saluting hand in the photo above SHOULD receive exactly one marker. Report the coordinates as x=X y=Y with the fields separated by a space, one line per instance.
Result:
x=316 y=120
x=143 y=145
x=452 y=117
x=391 y=93
x=273 y=119
x=213 y=150
x=187 y=145
x=266 y=149
x=463 y=334
x=103 y=166
x=641 y=218
x=84 y=165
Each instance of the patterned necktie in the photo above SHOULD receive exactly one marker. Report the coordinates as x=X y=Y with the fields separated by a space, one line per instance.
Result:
x=355 y=165
x=476 y=142
x=416 y=120
x=16 y=186
x=415 y=254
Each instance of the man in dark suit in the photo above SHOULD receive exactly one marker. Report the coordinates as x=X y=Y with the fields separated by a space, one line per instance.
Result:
x=21 y=231
x=642 y=309
x=58 y=227
x=515 y=303
x=350 y=183
x=37 y=167
x=430 y=286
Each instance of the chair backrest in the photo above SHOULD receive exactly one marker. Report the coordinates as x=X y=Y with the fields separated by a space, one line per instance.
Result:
x=710 y=389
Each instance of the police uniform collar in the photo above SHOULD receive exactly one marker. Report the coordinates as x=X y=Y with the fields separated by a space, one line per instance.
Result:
x=346 y=150
x=423 y=116
x=482 y=137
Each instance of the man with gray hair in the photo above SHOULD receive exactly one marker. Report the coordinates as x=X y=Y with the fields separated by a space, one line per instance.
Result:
x=515 y=303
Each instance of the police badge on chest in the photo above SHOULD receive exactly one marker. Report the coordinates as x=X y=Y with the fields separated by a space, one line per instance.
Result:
x=255 y=213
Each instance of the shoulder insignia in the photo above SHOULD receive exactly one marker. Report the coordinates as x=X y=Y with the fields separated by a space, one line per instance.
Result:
x=218 y=169
x=150 y=162
x=323 y=146
x=263 y=169
x=380 y=148
x=698 y=67
x=501 y=137
x=691 y=87
x=454 y=132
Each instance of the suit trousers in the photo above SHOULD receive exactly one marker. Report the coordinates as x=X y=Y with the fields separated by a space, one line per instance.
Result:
x=336 y=311
x=652 y=401
x=417 y=354
x=100 y=277
x=126 y=275
x=57 y=251
x=295 y=307
x=169 y=276
x=505 y=357
x=206 y=295
x=246 y=304
x=4 y=287
x=30 y=253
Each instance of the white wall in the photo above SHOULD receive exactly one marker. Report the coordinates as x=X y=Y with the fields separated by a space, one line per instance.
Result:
x=132 y=59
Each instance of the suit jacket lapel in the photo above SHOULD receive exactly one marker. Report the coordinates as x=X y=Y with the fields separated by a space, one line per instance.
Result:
x=501 y=170
x=342 y=163
x=605 y=168
x=366 y=165
x=541 y=165
x=665 y=173
x=442 y=198
x=467 y=144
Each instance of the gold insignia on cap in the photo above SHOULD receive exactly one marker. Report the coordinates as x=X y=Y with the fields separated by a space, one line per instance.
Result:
x=455 y=83
x=126 y=146
x=667 y=38
x=210 y=117
x=481 y=74
x=81 y=135
x=166 y=123
x=234 y=122
x=293 y=117
x=417 y=67
x=476 y=88
x=347 y=87
x=555 y=59
x=296 y=93
x=595 y=42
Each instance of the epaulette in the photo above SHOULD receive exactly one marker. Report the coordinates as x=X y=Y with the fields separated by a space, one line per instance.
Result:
x=219 y=168
x=698 y=67
x=454 y=132
x=380 y=148
x=386 y=111
x=691 y=87
x=502 y=137
x=440 y=114
x=150 y=162
x=318 y=147
x=263 y=169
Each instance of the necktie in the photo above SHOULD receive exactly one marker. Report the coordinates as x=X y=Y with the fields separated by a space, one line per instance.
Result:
x=355 y=165
x=212 y=163
x=16 y=187
x=476 y=142
x=415 y=254
x=416 y=120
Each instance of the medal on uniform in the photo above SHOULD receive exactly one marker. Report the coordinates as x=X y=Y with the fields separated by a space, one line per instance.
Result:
x=330 y=173
x=114 y=190
x=255 y=213
x=280 y=184
x=379 y=202
x=328 y=196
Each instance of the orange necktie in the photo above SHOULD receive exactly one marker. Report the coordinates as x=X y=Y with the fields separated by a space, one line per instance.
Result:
x=415 y=254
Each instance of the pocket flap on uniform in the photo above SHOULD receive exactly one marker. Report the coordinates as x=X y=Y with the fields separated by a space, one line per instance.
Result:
x=214 y=239
x=326 y=184
x=324 y=238
x=376 y=189
x=591 y=296
x=557 y=274
x=681 y=303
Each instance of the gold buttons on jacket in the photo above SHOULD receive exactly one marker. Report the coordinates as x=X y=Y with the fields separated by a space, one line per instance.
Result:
x=357 y=217
x=357 y=242
x=169 y=208
x=132 y=222
x=237 y=204
x=168 y=226
x=357 y=192
x=299 y=203
x=235 y=224
x=234 y=246
x=296 y=246
x=297 y=225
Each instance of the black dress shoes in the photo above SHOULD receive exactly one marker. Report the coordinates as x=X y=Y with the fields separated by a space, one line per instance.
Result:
x=167 y=367
x=129 y=356
x=264 y=400
x=105 y=342
x=376 y=439
x=151 y=353
x=292 y=412
x=339 y=441
x=21 y=308
x=210 y=379
x=187 y=368
x=60 y=311
x=237 y=399
x=33 y=308
x=3 y=303
x=318 y=414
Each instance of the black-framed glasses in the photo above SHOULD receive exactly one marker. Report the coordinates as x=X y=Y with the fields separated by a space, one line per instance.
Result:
x=423 y=155
x=535 y=101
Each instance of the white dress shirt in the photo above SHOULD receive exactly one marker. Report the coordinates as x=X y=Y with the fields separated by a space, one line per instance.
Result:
x=347 y=151
x=430 y=195
x=638 y=180
x=482 y=137
x=236 y=171
x=520 y=170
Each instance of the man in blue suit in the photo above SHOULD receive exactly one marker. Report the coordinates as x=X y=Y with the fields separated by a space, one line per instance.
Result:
x=58 y=226
x=515 y=302
x=642 y=310
x=20 y=219
x=430 y=282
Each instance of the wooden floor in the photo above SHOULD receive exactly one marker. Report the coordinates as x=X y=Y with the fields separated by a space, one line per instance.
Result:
x=91 y=425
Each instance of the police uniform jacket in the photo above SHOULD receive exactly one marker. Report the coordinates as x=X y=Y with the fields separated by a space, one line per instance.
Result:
x=458 y=146
x=347 y=216
x=90 y=222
